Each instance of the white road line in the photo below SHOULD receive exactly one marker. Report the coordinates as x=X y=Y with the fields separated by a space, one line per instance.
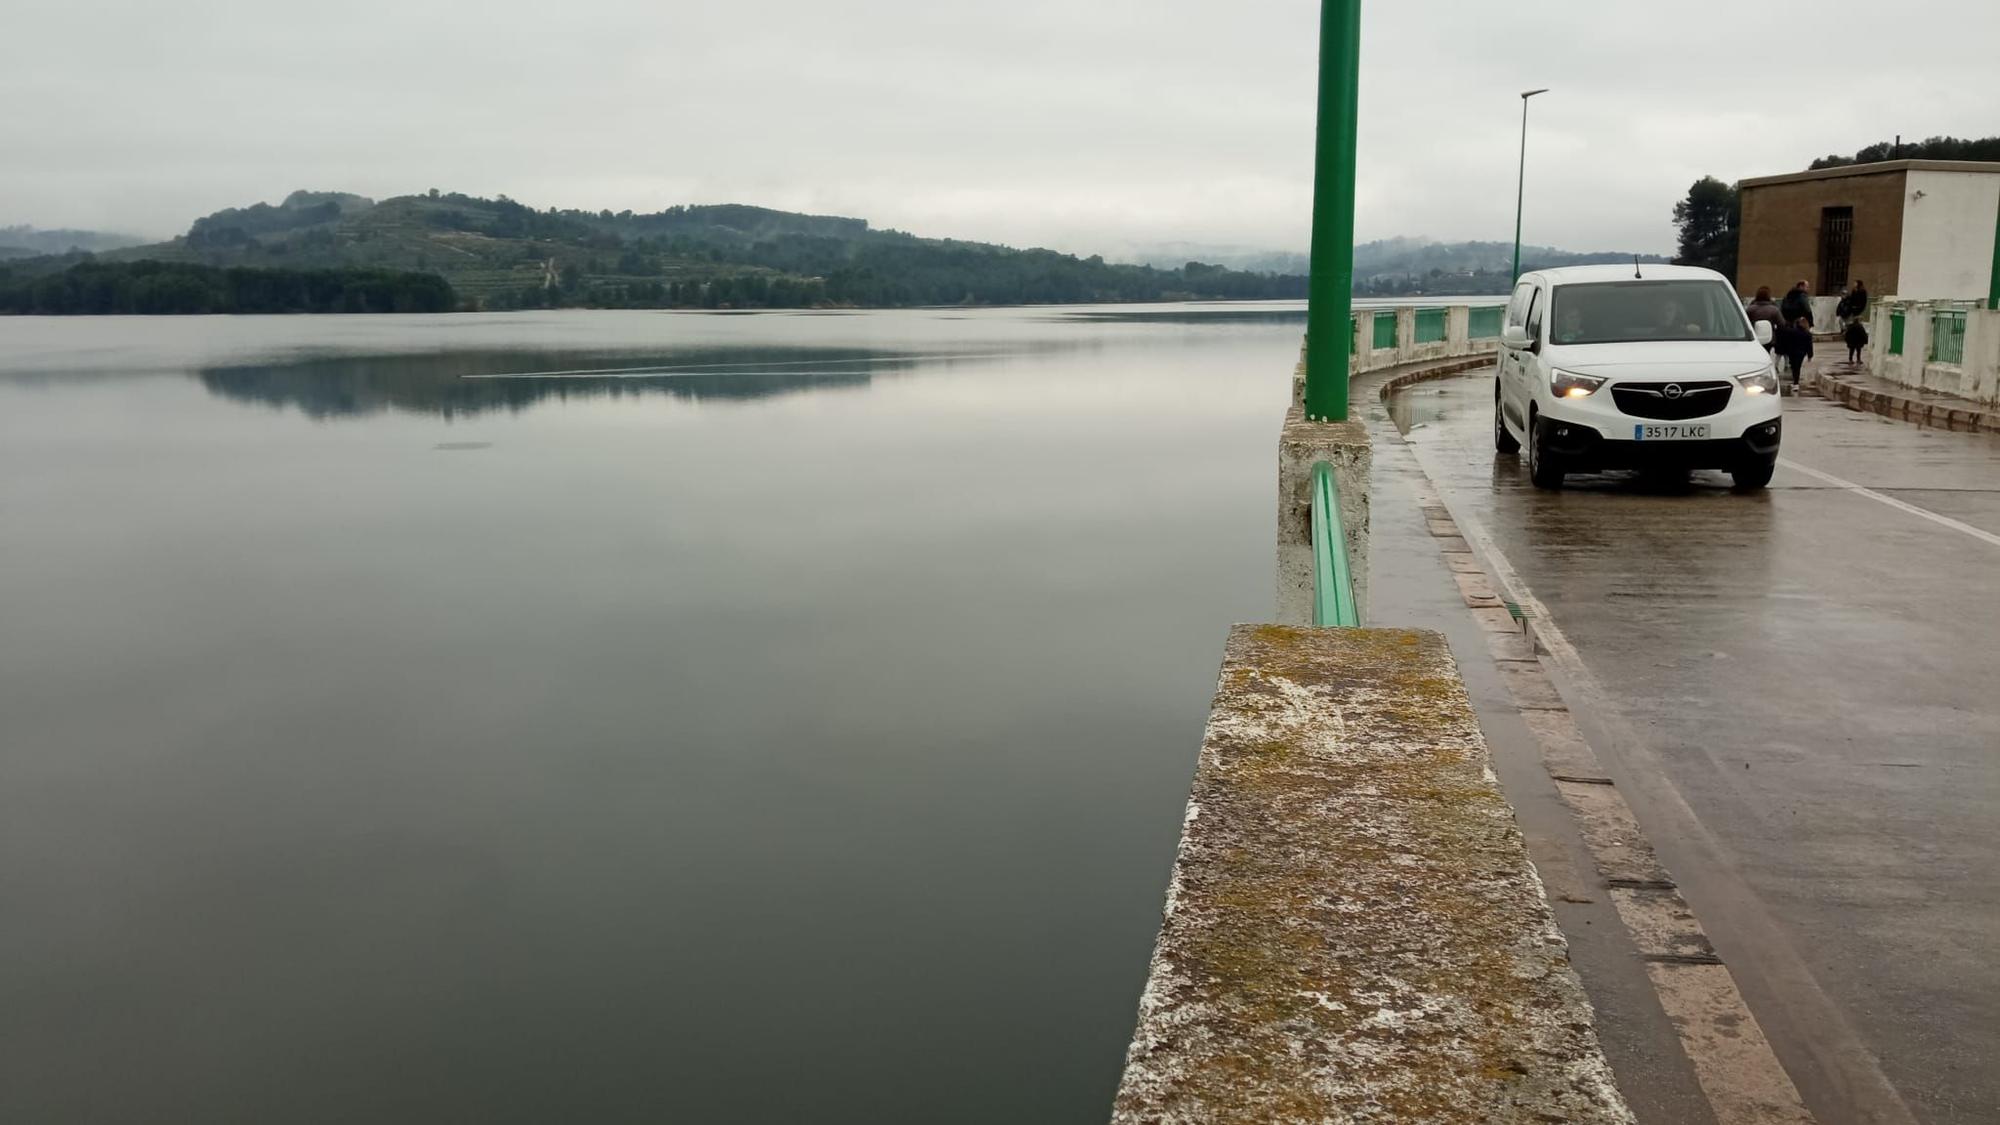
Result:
x=1926 y=513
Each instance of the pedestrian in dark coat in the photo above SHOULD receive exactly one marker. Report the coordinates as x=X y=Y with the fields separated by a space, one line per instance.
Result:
x=1798 y=304
x=1854 y=302
x=1794 y=343
x=1762 y=307
x=1857 y=338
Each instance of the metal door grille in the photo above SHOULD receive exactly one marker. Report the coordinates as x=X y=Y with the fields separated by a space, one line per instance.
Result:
x=1836 y=240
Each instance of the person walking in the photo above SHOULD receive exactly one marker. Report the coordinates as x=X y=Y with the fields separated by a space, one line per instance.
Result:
x=1763 y=308
x=1795 y=344
x=1798 y=304
x=1857 y=338
x=1854 y=302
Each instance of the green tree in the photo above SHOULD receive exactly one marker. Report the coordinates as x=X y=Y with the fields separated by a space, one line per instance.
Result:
x=1708 y=220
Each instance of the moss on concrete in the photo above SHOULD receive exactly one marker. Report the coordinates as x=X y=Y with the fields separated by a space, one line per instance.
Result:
x=1354 y=932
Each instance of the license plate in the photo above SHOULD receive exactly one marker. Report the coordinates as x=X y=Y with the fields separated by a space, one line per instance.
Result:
x=1680 y=431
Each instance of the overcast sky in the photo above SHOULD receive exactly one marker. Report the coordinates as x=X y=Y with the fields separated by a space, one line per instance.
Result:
x=1089 y=125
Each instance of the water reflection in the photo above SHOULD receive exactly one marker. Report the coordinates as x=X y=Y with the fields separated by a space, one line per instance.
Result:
x=465 y=384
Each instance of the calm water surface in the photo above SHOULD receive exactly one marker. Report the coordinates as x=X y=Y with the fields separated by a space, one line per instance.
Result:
x=608 y=717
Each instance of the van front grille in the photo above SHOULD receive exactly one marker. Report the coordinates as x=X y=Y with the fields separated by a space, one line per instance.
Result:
x=1672 y=401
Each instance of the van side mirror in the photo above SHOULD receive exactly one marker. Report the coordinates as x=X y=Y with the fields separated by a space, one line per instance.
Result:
x=1514 y=336
x=1762 y=329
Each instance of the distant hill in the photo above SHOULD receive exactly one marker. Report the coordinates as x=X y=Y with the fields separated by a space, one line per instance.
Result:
x=29 y=242
x=500 y=254
x=1401 y=267
x=1409 y=267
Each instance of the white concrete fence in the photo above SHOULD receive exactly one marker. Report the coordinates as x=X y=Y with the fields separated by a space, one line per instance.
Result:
x=1947 y=346
x=1388 y=337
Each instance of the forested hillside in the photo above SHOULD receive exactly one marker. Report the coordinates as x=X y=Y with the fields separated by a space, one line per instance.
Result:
x=500 y=254
x=152 y=287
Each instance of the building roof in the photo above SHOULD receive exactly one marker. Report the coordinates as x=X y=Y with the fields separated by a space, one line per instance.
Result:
x=1877 y=169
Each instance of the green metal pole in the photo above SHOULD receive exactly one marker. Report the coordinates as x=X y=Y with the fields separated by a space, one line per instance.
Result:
x=1993 y=286
x=1521 y=182
x=1330 y=291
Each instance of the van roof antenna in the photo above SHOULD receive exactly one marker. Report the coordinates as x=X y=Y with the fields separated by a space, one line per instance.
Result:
x=1635 y=268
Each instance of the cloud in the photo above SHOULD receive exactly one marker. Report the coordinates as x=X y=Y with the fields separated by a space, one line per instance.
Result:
x=1081 y=126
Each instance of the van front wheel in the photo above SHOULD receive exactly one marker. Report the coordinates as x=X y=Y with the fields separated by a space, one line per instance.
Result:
x=1754 y=473
x=1544 y=468
x=1503 y=438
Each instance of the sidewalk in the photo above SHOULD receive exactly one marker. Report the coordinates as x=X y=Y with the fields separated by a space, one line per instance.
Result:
x=1853 y=387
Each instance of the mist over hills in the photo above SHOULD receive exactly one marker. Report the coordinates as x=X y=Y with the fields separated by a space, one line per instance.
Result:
x=23 y=241
x=1399 y=267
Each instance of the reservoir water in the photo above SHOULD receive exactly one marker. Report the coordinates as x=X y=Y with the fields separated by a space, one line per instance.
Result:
x=605 y=716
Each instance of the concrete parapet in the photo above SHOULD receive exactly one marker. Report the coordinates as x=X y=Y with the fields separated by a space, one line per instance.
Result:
x=1301 y=444
x=1354 y=931
x=1458 y=330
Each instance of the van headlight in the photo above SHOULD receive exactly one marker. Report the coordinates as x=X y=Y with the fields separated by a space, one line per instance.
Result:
x=1762 y=382
x=1568 y=384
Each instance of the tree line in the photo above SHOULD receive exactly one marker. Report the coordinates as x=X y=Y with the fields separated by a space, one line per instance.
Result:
x=154 y=287
x=1931 y=148
x=889 y=274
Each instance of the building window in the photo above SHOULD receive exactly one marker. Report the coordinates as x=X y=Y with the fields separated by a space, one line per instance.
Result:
x=1836 y=239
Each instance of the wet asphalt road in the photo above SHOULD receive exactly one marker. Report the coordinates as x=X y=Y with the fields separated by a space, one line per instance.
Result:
x=1800 y=692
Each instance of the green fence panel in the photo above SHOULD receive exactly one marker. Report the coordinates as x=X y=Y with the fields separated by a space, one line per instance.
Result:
x=1484 y=323
x=1385 y=329
x=1895 y=333
x=1430 y=326
x=1948 y=337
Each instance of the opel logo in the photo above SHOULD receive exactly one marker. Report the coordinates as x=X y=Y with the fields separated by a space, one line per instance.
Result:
x=1671 y=390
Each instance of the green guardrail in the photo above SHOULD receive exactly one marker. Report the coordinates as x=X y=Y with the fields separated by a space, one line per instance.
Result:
x=1948 y=337
x=1385 y=328
x=1430 y=326
x=1484 y=323
x=1333 y=579
x=1895 y=333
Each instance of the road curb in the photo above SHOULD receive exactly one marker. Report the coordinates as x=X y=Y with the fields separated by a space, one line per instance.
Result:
x=1441 y=370
x=1923 y=412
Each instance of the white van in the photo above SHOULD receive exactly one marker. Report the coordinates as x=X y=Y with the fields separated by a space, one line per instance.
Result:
x=1612 y=367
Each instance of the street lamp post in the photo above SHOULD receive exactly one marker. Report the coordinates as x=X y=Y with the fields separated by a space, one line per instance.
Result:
x=1520 y=185
x=1329 y=290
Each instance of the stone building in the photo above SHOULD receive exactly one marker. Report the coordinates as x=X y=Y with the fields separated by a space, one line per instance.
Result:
x=1918 y=229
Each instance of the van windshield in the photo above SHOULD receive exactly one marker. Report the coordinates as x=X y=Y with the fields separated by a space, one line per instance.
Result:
x=1616 y=312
